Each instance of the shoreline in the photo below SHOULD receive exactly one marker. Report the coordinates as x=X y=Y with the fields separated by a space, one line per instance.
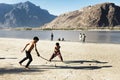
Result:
x=61 y=41
x=39 y=29
x=110 y=37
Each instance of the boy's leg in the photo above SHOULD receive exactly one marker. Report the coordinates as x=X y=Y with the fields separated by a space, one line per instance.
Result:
x=53 y=55
x=30 y=60
x=23 y=59
x=60 y=56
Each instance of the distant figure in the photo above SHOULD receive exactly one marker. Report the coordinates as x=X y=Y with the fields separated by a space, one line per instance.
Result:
x=56 y=52
x=63 y=39
x=80 y=37
x=59 y=39
x=83 y=38
x=52 y=36
x=29 y=47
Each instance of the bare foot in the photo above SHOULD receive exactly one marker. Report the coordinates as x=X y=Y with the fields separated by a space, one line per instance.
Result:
x=27 y=68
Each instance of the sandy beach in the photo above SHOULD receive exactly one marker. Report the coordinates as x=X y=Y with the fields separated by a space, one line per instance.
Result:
x=82 y=61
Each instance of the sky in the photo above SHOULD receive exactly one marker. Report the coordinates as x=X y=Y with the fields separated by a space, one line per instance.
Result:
x=57 y=7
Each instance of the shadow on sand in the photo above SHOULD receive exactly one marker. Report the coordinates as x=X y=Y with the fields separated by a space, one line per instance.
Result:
x=18 y=70
x=82 y=67
x=69 y=67
x=84 y=61
x=41 y=68
x=7 y=58
x=78 y=66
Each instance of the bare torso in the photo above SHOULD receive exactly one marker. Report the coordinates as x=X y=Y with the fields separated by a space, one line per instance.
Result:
x=30 y=46
x=57 y=49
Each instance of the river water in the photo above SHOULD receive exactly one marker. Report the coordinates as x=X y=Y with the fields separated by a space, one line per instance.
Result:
x=91 y=36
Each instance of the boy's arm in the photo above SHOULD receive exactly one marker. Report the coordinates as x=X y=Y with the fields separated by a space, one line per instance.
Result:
x=36 y=50
x=25 y=47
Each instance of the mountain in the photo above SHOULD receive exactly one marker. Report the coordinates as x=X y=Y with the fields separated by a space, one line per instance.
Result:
x=24 y=14
x=99 y=15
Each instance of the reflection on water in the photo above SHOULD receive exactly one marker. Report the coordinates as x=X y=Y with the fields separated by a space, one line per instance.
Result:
x=92 y=36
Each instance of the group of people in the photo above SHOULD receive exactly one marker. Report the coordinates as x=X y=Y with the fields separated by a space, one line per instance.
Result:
x=82 y=37
x=29 y=47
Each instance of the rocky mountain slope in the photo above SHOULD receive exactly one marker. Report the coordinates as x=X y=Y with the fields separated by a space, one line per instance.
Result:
x=99 y=15
x=24 y=14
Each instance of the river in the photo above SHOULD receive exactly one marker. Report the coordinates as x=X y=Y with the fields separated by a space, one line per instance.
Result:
x=91 y=36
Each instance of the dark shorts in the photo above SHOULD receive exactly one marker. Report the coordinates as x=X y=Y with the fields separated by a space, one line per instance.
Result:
x=28 y=55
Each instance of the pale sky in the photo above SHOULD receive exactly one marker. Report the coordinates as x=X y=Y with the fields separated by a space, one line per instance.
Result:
x=58 y=7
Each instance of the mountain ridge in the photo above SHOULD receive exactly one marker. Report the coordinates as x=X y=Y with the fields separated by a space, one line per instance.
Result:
x=99 y=15
x=24 y=14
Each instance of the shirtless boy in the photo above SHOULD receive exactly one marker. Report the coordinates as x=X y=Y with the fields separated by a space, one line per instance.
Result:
x=56 y=52
x=28 y=48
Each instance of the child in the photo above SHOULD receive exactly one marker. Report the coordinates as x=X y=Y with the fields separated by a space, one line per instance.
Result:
x=80 y=37
x=52 y=36
x=56 y=52
x=84 y=38
x=29 y=47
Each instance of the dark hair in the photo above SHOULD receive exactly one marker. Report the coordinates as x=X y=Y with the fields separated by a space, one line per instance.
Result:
x=36 y=38
x=57 y=44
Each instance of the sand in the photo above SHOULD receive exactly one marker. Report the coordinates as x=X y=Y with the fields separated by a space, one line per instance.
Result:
x=82 y=61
